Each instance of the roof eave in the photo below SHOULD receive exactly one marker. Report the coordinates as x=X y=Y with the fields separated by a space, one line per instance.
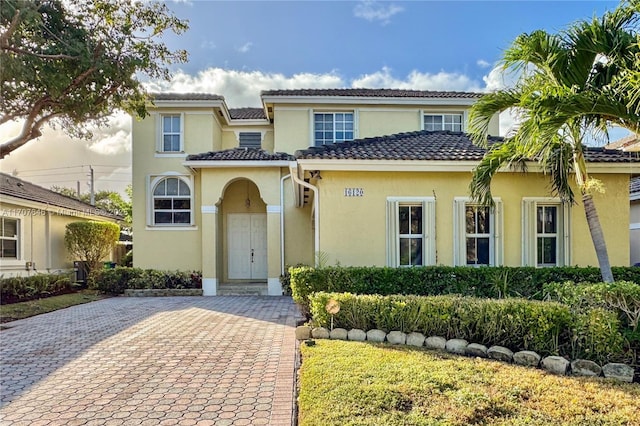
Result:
x=221 y=164
x=365 y=100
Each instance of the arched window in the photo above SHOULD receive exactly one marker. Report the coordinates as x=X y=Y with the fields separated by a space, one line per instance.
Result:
x=171 y=202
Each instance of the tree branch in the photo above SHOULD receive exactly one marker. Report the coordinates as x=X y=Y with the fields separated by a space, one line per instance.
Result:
x=4 y=37
x=38 y=55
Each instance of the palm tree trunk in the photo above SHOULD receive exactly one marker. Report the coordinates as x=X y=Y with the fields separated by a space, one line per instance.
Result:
x=597 y=236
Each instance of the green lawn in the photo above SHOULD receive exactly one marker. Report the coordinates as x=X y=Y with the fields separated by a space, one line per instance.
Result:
x=353 y=383
x=16 y=311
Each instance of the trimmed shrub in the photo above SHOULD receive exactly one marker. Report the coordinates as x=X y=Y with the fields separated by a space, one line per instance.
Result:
x=91 y=241
x=549 y=328
x=619 y=302
x=493 y=282
x=117 y=280
x=20 y=289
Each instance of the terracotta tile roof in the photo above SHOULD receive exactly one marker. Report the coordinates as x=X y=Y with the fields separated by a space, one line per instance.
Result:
x=627 y=143
x=241 y=154
x=373 y=93
x=425 y=145
x=247 y=113
x=14 y=187
x=168 y=96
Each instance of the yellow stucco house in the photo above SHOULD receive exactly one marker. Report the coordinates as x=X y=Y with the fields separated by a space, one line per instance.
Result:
x=33 y=221
x=359 y=176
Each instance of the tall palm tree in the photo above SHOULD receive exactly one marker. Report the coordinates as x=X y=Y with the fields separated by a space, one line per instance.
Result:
x=569 y=87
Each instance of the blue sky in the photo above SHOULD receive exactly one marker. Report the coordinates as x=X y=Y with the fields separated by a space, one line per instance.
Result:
x=238 y=48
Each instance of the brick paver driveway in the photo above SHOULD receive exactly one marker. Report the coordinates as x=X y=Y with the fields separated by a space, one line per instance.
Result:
x=152 y=361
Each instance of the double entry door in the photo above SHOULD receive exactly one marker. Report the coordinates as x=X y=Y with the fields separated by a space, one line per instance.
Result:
x=247 y=243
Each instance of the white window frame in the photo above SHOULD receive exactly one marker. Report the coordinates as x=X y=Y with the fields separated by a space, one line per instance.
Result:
x=443 y=114
x=312 y=121
x=17 y=238
x=428 y=205
x=530 y=234
x=496 y=223
x=160 y=136
x=152 y=182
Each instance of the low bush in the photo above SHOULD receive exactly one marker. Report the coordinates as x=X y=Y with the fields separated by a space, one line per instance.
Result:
x=117 y=280
x=545 y=327
x=494 y=282
x=20 y=289
x=619 y=301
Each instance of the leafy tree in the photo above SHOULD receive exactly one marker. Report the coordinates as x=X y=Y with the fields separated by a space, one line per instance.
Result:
x=569 y=87
x=109 y=201
x=74 y=63
x=91 y=241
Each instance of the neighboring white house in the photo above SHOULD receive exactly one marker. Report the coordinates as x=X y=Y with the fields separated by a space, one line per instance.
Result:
x=32 y=226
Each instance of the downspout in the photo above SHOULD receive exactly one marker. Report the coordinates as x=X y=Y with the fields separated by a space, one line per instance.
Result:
x=316 y=205
x=282 y=179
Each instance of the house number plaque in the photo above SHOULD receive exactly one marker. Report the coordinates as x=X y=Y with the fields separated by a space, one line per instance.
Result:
x=354 y=192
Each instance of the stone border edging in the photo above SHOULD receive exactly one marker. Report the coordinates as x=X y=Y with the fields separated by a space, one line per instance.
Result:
x=553 y=364
x=160 y=292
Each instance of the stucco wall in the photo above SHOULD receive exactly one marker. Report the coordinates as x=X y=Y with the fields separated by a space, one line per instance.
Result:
x=353 y=228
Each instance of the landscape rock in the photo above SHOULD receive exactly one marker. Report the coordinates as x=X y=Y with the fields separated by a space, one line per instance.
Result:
x=415 y=339
x=303 y=332
x=338 y=334
x=526 y=358
x=320 y=333
x=357 y=335
x=476 y=349
x=435 y=342
x=555 y=364
x=584 y=367
x=376 y=335
x=615 y=370
x=397 y=337
x=500 y=353
x=456 y=346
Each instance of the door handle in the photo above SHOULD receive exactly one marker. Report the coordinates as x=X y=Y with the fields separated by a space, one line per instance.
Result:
x=252 y=255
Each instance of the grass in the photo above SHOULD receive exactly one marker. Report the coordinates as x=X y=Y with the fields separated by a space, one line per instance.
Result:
x=16 y=311
x=353 y=383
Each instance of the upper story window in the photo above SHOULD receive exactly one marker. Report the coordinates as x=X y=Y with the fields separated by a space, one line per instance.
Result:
x=171 y=202
x=332 y=127
x=451 y=122
x=171 y=133
x=250 y=139
x=9 y=237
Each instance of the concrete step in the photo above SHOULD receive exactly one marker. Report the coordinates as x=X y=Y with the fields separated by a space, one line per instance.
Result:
x=252 y=289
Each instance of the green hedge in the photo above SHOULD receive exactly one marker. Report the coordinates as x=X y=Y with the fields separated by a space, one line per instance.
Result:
x=19 y=289
x=117 y=280
x=545 y=327
x=526 y=282
x=621 y=299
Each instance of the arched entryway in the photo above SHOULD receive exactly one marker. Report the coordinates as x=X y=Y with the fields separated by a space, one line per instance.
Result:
x=244 y=233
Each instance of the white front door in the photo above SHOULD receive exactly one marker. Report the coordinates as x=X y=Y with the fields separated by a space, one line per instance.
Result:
x=247 y=242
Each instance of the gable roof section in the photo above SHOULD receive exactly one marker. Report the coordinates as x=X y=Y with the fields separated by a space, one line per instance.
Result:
x=247 y=113
x=241 y=154
x=427 y=145
x=14 y=187
x=371 y=93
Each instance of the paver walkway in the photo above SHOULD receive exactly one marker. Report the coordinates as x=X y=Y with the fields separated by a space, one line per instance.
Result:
x=152 y=361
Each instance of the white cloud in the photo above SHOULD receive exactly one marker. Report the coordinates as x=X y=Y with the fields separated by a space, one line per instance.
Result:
x=242 y=88
x=418 y=80
x=483 y=64
x=373 y=11
x=245 y=47
x=208 y=44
